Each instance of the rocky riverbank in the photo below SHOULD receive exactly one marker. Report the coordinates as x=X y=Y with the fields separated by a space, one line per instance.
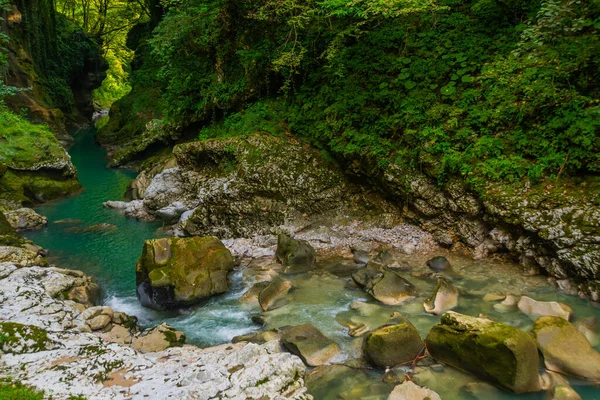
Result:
x=52 y=338
x=260 y=184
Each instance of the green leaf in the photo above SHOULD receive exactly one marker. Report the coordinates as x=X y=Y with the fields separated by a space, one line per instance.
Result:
x=448 y=90
x=467 y=79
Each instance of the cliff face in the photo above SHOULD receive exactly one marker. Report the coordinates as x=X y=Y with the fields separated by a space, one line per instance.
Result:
x=55 y=59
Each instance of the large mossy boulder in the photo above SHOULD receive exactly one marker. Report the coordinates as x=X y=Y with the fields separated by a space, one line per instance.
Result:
x=310 y=344
x=393 y=345
x=174 y=272
x=295 y=255
x=565 y=349
x=499 y=353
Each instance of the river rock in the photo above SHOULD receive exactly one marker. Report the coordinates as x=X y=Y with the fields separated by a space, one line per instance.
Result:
x=175 y=272
x=565 y=349
x=509 y=304
x=309 y=343
x=563 y=392
x=535 y=309
x=589 y=328
x=24 y=219
x=444 y=298
x=117 y=334
x=21 y=256
x=439 y=264
x=498 y=353
x=98 y=318
x=393 y=345
x=390 y=288
x=158 y=339
x=295 y=255
x=258 y=338
x=360 y=257
x=409 y=391
x=273 y=293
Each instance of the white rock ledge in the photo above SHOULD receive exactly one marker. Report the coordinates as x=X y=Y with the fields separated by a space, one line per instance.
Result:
x=79 y=362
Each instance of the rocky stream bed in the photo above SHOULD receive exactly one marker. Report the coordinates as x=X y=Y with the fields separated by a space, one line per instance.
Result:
x=348 y=308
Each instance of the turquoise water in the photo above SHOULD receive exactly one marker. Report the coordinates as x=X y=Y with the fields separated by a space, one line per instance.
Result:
x=321 y=298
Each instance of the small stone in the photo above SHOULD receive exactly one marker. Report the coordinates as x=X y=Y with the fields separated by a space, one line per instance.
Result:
x=98 y=322
x=491 y=297
x=310 y=344
x=444 y=298
x=295 y=255
x=159 y=338
x=439 y=264
x=273 y=293
x=535 y=309
x=410 y=391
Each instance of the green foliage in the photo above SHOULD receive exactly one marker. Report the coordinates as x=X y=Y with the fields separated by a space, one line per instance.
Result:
x=11 y=390
x=23 y=144
x=259 y=117
x=484 y=89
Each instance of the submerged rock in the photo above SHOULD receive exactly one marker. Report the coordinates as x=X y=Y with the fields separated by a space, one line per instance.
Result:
x=589 y=328
x=177 y=272
x=390 y=288
x=439 y=264
x=295 y=255
x=565 y=349
x=258 y=338
x=535 y=309
x=393 y=345
x=309 y=343
x=498 y=353
x=444 y=298
x=409 y=391
x=26 y=219
x=273 y=293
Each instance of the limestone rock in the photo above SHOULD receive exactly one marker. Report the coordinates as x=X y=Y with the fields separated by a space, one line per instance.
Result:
x=409 y=391
x=589 y=328
x=308 y=343
x=21 y=256
x=498 y=353
x=174 y=272
x=510 y=303
x=98 y=318
x=26 y=219
x=159 y=338
x=393 y=345
x=564 y=392
x=535 y=309
x=274 y=292
x=75 y=361
x=565 y=349
x=444 y=298
x=295 y=255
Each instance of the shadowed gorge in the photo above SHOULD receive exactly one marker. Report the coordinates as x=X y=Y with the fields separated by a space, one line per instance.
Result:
x=267 y=199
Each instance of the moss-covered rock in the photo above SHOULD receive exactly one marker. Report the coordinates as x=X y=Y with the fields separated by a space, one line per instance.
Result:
x=393 y=345
x=18 y=338
x=295 y=255
x=176 y=272
x=8 y=236
x=498 y=353
x=565 y=349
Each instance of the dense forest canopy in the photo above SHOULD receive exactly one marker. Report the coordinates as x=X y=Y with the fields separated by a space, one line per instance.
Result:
x=486 y=89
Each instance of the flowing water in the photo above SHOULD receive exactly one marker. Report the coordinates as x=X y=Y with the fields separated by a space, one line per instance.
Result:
x=322 y=298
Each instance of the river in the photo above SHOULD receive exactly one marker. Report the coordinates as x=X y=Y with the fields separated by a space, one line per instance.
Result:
x=109 y=255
